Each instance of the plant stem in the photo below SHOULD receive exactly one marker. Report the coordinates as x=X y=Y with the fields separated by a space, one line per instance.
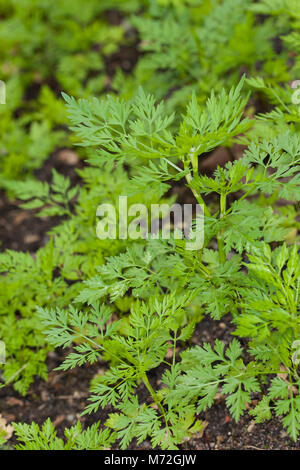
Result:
x=154 y=396
x=11 y=379
x=222 y=254
x=199 y=198
x=173 y=165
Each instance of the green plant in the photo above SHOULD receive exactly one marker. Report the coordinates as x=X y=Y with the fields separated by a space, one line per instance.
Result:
x=45 y=438
x=269 y=309
x=53 y=275
x=135 y=304
x=172 y=288
x=186 y=48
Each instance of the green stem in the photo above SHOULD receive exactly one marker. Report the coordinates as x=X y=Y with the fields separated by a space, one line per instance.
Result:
x=281 y=102
x=199 y=198
x=173 y=165
x=222 y=254
x=12 y=378
x=174 y=348
x=195 y=163
x=154 y=396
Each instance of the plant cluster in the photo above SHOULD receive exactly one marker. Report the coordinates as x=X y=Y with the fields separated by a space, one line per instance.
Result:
x=136 y=304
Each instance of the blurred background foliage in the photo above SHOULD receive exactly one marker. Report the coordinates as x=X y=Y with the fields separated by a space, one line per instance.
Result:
x=170 y=47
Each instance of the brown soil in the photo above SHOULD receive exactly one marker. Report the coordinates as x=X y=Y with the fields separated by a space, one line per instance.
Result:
x=20 y=230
